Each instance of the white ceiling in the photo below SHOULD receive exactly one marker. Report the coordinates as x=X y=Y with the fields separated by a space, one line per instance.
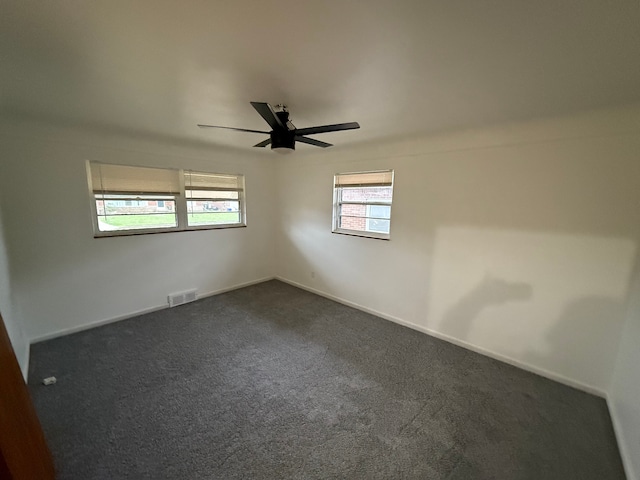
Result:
x=397 y=67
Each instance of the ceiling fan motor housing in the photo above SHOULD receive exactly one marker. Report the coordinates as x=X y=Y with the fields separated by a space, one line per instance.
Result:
x=283 y=139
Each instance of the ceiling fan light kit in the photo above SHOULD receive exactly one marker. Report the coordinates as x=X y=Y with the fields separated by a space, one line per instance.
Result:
x=283 y=150
x=284 y=135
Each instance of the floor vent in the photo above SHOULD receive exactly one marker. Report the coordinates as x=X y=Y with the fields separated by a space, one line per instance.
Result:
x=181 y=298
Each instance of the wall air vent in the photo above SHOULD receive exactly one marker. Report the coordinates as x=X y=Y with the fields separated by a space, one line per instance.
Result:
x=181 y=298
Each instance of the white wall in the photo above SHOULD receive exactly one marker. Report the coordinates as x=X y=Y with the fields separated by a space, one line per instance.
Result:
x=517 y=241
x=10 y=317
x=624 y=397
x=63 y=278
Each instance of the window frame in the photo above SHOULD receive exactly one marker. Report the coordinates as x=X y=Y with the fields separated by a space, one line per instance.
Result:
x=188 y=197
x=338 y=203
x=179 y=199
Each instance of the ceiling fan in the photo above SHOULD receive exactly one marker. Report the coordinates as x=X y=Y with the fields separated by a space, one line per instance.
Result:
x=284 y=135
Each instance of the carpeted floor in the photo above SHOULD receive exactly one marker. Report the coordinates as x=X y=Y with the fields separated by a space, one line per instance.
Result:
x=272 y=382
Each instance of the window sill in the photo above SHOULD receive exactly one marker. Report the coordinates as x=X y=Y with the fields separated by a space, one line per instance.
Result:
x=359 y=233
x=129 y=233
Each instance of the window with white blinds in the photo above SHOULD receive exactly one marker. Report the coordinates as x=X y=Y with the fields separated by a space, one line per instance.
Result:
x=362 y=203
x=132 y=200
x=213 y=199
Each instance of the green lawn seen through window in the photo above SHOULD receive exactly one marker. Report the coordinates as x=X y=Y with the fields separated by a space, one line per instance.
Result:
x=168 y=219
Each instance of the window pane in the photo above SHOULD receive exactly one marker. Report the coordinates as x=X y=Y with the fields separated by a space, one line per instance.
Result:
x=353 y=223
x=376 y=225
x=212 y=213
x=367 y=194
x=214 y=218
x=365 y=211
x=138 y=213
x=195 y=206
x=353 y=210
x=379 y=211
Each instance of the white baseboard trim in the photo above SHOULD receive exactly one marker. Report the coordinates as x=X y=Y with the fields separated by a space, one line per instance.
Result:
x=461 y=343
x=87 y=326
x=25 y=362
x=625 y=454
x=98 y=323
x=235 y=287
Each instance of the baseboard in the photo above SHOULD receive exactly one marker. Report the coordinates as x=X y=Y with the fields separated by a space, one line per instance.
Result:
x=235 y=287
x=623 y=448
x=25 y=362
x=98 y=323
x=461 y=343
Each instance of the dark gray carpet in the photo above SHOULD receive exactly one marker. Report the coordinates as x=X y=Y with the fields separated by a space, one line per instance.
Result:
x=272 y=382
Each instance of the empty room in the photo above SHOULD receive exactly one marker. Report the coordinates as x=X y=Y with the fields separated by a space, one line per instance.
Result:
x=312 y=240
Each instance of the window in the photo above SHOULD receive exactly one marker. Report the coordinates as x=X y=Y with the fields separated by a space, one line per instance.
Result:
x=131 y=200
x=212 y=199
x=362 y=203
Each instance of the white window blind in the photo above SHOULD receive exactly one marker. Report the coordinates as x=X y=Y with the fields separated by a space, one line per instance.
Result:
x=368 y=179
x=202 y=181
x=124 y=179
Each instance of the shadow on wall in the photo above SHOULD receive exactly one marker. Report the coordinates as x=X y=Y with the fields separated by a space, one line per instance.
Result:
x=584 y=333
x=491 y=291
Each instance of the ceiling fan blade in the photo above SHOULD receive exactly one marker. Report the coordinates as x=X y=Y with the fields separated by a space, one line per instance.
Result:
x=267 y=112
x=263 y=143
x=328 y=128
x=311 y=141
x=232 y=128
